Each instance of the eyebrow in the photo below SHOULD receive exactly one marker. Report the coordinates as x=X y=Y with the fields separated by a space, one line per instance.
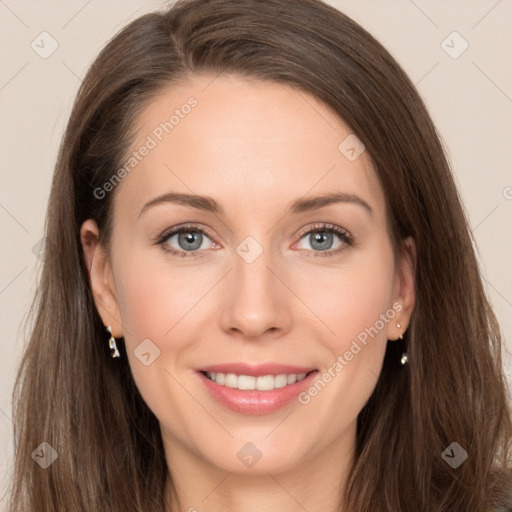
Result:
x=301 y=205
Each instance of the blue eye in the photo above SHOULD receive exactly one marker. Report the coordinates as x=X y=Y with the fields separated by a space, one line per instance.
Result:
x=322 y=237
x=189 y=240
x=192 y=241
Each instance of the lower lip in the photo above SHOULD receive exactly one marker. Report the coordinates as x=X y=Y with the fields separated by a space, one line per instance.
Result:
x=256 y=402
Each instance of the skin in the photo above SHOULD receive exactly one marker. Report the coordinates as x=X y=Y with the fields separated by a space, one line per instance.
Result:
x=254 y=147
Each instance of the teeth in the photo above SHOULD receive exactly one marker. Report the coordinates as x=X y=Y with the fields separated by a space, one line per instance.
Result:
x=248 y=382
x=231 y=380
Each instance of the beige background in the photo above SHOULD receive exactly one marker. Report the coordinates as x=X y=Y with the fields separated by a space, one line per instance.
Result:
x=469 y=97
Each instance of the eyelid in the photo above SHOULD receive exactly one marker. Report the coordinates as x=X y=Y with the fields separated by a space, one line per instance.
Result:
x=168 y=233
x=325 y=226
x=347 y=238
x=184 y=227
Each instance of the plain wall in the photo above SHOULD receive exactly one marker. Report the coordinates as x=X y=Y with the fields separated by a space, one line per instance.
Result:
x=469 y=98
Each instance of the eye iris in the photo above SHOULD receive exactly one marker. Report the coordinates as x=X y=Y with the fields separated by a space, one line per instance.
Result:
x=190 y=237
x=192 y=240
x=321 y=237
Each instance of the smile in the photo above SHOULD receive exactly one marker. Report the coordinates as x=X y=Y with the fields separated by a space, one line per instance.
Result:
x=260 y=389
x=251 y=383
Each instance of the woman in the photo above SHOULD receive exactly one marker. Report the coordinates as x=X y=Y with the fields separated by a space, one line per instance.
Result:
x=263 y=290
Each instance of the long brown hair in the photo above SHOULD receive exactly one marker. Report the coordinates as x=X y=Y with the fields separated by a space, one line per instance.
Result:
x=72 y=395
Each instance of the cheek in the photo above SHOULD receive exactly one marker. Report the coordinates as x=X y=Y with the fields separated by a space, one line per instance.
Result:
x=352 y=305
x=166 y=306
x=349 y=299
x=154 y=305
x=153 y=298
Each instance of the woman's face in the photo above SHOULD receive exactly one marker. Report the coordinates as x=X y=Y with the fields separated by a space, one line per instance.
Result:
x=284 y=267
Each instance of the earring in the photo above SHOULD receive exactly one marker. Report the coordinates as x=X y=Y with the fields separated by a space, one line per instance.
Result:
x=112 y=343
x=404 y=359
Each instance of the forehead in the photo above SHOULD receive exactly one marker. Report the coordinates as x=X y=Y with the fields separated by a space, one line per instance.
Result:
x=248 y=143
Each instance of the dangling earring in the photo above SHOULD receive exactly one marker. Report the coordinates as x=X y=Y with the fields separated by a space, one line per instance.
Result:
x=403 y=359
x=112 y=343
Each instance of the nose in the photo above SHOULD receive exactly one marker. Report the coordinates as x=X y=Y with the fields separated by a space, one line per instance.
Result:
x=256 y=300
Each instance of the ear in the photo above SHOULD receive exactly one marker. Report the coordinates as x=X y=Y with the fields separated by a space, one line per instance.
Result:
x=405 y=286
x=101 y=278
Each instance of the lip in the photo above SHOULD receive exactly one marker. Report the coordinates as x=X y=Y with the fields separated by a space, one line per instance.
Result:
x=255 y=370
x=256 y=402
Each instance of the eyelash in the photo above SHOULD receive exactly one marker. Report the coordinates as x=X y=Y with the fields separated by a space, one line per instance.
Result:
x=344 y=235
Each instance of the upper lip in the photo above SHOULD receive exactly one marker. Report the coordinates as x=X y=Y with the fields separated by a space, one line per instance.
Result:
x=255 y=370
